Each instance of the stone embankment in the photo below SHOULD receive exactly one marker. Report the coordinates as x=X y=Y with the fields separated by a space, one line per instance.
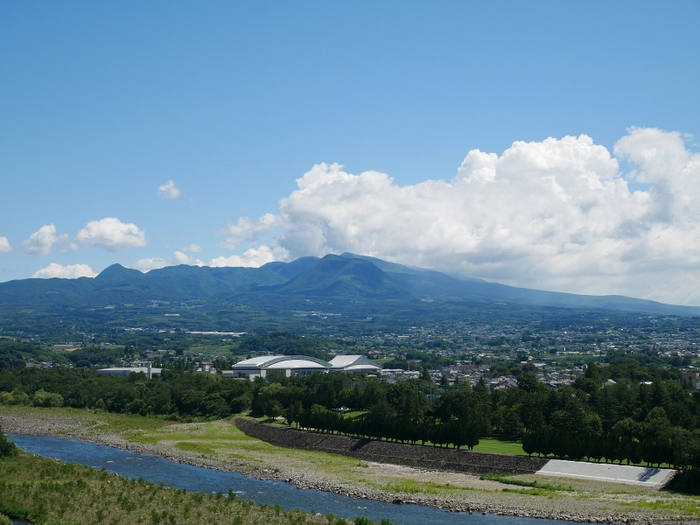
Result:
x=419 y=456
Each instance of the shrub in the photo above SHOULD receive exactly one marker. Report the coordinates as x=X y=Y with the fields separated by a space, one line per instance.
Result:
x=7 y=447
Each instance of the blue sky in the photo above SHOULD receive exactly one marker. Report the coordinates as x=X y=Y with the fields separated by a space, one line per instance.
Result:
x=543 y=144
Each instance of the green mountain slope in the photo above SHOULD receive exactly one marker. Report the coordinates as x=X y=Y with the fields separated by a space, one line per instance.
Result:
x=346 y=277
x=334 y=276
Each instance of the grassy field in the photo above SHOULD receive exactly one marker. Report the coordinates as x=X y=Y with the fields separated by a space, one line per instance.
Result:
x=46 y=491
x=500 y=447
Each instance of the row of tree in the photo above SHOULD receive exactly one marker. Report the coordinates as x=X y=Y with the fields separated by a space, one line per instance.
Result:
x=653 y=441
x=459 y=418
x=628 y=421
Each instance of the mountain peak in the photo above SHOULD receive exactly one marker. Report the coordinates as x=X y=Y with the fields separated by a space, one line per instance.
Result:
x=117 y=271
x=338 y=276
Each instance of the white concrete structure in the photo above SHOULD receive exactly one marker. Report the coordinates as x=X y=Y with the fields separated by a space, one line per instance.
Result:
x=125 y=371
x=354 y=363
x=647 y=476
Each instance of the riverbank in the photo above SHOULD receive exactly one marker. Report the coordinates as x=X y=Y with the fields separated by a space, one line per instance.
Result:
x=222 y=446
x=42 y=490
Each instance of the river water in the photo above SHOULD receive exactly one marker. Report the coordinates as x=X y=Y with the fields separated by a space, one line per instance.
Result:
x=287 y=496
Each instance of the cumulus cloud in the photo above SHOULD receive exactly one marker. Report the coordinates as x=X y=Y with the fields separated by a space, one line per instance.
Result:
x=69 y=271
x=193 y=248
x=251 y=258
x=151 y=263
x=5 y=245
x=112 y=234
x=179 y=257
x=247 y=230
x=41 y=241
x=169 y=191
x=557 y=214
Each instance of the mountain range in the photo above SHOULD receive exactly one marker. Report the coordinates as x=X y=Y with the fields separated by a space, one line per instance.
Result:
x=345 y=277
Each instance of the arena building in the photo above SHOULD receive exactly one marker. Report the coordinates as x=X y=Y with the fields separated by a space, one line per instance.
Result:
x=291 y=365
x=298 y=365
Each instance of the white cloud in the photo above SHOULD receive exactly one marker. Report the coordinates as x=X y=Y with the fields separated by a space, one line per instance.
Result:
x=251 y=258
x=179 y=257
x=111 y=234
x=69 y=271
x=151 y=263
x=556 y=214
x=247 y=230
x=193 y=248
x=41 y=241
x=5 y=245
x=169 y=191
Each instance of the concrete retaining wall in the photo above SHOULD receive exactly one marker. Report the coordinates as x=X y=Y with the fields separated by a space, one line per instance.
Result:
x=399 y=454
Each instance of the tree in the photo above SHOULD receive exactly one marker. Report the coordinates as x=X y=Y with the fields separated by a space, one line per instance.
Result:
x=527 y=382
x=47 y=399
x=656 y=438
x=408 y=401
x=624 y=441
x=7 y=447
x=293 y=412
x=592 y=372
x=372 y=393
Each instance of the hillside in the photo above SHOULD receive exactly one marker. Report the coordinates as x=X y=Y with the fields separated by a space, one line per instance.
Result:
x=282 y=296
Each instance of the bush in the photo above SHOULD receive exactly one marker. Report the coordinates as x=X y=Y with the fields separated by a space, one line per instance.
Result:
x=687 y=482
x=47 y=399
x=19 y=397
x=4 y=520
x=7 y=447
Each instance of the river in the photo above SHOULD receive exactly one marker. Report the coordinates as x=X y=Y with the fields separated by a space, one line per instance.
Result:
x=287 y=496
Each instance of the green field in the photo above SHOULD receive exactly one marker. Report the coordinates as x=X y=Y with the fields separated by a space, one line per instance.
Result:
x=500 y=447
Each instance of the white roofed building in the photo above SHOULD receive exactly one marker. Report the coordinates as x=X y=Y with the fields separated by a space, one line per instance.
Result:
x=299 y=365
x=125 y=371
x=354 y=363
x=291 y=365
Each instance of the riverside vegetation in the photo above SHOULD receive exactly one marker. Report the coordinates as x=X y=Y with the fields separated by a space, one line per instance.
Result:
x=219 y=444
x=49 y=492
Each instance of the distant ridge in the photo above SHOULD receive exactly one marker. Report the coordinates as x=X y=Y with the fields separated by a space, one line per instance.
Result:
x=345 y=277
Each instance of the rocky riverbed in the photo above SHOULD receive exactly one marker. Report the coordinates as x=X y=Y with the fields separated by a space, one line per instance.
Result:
x=485 y=496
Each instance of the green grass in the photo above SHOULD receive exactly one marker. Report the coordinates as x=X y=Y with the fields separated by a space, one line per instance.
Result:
x=421 y=487
x=500 y=447
x=38 y=489
x=507 y=480
x=354 y=413
x=534 y=492
x=224 y=439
